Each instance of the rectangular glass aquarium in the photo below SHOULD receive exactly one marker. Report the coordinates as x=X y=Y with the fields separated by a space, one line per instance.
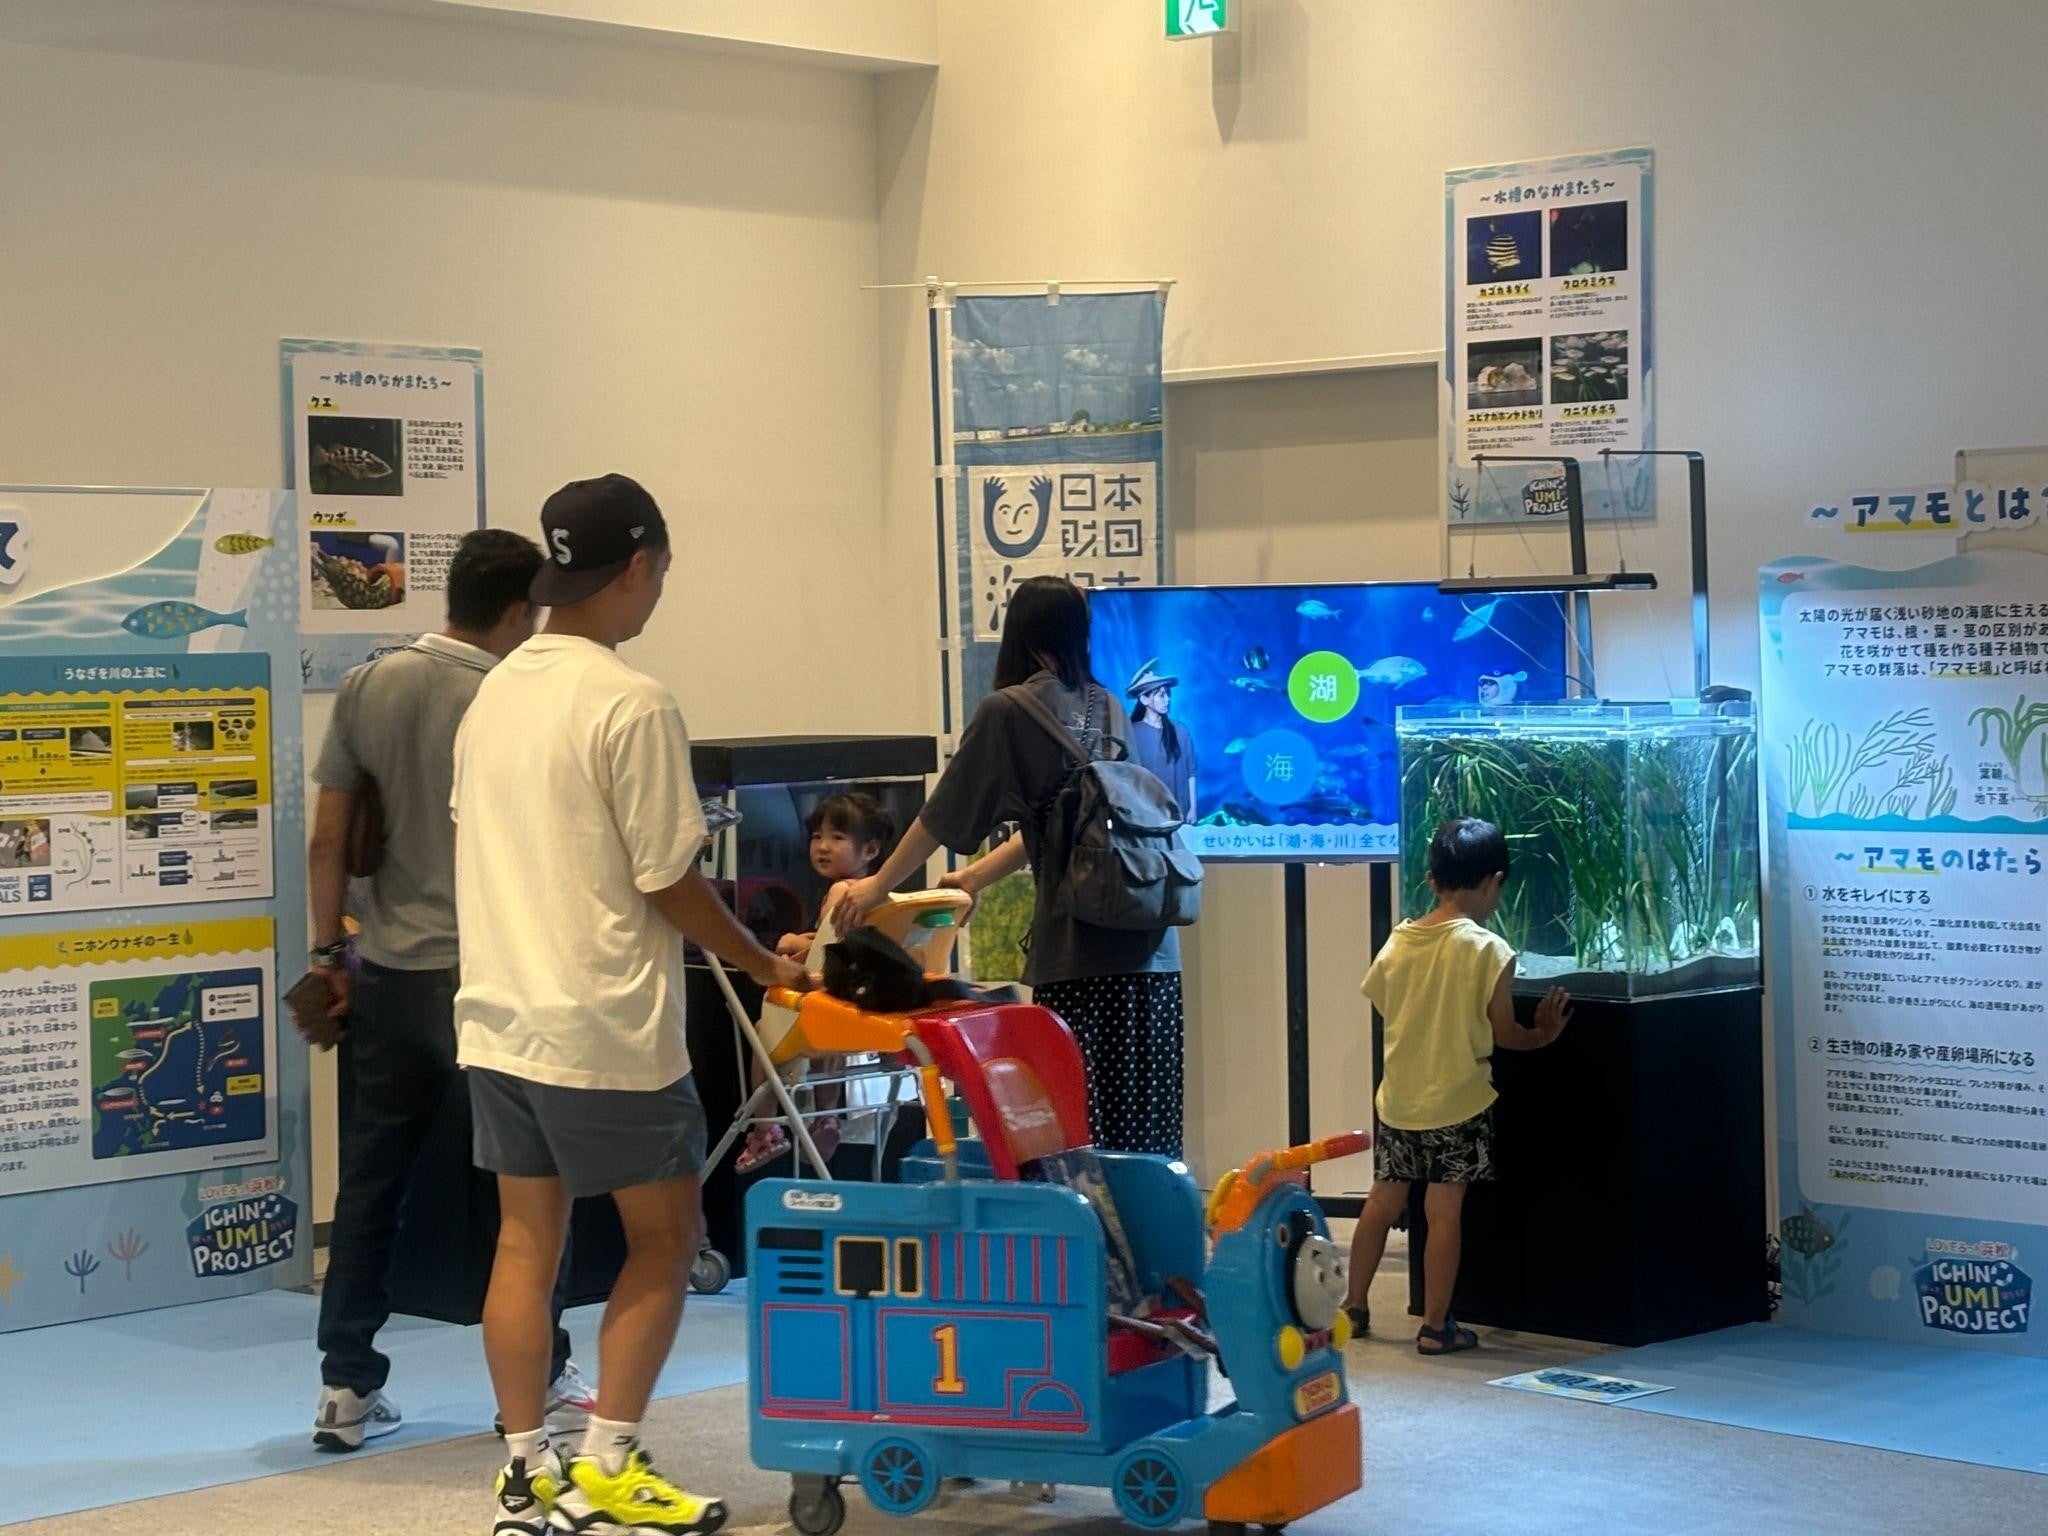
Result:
x=1632 y=831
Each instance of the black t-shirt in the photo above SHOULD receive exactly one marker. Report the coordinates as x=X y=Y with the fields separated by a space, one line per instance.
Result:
x=1008 y=768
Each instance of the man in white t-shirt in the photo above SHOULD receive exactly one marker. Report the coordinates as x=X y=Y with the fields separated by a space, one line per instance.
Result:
x=578 y=834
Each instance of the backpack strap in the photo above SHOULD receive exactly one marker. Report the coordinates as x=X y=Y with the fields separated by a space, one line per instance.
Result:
x=1026 y=699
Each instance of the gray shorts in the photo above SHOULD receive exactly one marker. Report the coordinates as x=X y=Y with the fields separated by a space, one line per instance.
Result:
x=595 y=1140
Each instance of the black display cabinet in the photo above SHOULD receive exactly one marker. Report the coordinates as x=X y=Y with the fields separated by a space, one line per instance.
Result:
x=1628 y=1205
x=763 y=867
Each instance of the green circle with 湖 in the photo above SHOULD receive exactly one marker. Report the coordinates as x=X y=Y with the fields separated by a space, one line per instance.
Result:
x=1324 y=687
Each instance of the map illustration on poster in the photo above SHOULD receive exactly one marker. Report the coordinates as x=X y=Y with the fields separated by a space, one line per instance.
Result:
x=133 y=1052
x=1547 y=335
x=384 y=446
x=134 y=781
x=1905 y=727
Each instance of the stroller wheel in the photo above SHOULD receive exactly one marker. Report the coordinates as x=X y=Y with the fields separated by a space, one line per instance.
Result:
x=711 y=1273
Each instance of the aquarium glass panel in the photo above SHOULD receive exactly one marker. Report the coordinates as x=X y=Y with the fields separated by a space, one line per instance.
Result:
x=1632 y=831
x=1281 y=700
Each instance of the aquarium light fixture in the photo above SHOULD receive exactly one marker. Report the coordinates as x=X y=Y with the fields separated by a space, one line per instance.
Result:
x=1595 y=581
x=1579 y=579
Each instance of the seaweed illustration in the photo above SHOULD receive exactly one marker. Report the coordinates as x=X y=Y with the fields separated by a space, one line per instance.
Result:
x=125 y=1249
x=80 y=1265
x=2016 y=727
x=1461 y=499
x=1811 y=1254
x=1833 y=773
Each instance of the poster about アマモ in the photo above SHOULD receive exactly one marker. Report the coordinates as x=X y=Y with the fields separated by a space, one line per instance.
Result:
x=1907 y=724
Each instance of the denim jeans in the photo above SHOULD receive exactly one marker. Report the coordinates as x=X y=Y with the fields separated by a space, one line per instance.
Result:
x=397 y=1068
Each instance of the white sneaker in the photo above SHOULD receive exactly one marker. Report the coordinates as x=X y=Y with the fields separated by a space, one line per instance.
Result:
x=345 y=1420
x=523 y=1499
x=570 y=1393
x=570 y=1397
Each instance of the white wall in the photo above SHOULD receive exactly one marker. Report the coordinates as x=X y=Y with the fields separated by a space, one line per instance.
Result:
x=874 y=34
x=1845 y=281
x=660 y=254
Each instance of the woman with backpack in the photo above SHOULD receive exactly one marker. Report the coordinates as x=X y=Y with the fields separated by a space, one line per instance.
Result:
x=1117 y=987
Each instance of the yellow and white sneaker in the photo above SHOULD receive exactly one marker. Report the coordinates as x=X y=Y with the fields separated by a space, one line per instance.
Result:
x=638 y=1499
x=525 y=1498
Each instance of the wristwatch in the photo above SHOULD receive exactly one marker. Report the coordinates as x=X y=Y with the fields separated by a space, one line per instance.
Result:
x=330 y=957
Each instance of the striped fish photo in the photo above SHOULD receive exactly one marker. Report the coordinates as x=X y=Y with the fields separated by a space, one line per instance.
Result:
x=1504 y=247
x=355 y=455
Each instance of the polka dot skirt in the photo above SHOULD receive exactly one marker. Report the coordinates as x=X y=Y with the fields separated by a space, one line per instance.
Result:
x=1129 y=1030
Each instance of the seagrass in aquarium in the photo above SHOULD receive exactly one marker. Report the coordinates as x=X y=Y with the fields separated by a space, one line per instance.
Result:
x=1632 y=831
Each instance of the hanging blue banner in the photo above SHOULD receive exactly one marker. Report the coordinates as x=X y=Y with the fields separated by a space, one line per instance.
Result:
x=1056 y=451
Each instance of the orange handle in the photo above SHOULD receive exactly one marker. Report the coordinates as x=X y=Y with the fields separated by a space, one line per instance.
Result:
x=937 y=1111
x=1343 y=1145
x=785 y=997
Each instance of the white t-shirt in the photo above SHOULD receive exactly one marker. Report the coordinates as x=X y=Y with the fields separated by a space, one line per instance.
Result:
x=573 y=798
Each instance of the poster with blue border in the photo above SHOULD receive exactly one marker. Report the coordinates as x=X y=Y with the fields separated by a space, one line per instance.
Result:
x=1057 y=413
x=1547 y=336
x=153 y=1130
x=385 y=447
x=1905 y=742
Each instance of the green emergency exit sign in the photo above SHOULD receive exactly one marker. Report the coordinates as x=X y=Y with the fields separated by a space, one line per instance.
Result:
x=1196 y=18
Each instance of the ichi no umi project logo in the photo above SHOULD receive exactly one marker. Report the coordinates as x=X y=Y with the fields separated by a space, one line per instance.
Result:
x=243 y=1235
x=1974 y=1296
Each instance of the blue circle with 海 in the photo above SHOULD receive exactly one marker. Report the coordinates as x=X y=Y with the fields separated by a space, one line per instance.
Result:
x=1279 y=767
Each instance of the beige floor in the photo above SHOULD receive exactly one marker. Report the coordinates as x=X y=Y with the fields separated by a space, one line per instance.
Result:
x=1445 y=1455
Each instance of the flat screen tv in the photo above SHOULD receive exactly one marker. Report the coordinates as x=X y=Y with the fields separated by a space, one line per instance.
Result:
x=1278 y=732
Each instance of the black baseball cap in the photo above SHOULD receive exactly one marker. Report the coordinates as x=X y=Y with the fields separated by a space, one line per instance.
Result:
x=590 y=531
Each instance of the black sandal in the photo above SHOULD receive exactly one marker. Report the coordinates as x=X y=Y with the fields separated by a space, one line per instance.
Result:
x=1451 y=1339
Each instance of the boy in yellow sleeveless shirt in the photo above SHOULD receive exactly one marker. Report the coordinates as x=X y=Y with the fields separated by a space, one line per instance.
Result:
x=1441 y=986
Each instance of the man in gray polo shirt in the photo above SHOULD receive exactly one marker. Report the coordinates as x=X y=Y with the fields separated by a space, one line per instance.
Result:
x=394 y=728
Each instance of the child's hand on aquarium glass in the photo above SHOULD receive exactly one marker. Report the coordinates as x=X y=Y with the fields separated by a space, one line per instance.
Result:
x=1553 y=1013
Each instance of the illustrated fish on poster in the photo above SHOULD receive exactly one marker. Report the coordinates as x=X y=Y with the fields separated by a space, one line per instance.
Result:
x=242 y=543
x=173 y=619
x=1256 y=659
x=1255 y=685
x=1806 y=1234
x=356 y=463
x=1312 y=609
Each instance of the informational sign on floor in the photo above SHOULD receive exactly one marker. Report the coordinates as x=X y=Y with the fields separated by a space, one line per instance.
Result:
x=384 y=445
x=1582 y=1386
x=1547 y=333
x=1905 y=720
x=133 y=781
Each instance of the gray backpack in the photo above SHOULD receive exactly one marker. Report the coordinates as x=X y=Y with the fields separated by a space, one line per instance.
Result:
x=1111 y=853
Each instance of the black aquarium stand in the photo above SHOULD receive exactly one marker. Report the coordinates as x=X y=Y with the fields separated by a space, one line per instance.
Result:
x=1628 y=1205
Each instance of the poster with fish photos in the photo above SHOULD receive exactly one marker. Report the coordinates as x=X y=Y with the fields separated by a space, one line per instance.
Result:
x=1547 y=335
x=134 y=781
x=134 y=1052
x=384 y=445
x=1904 y=736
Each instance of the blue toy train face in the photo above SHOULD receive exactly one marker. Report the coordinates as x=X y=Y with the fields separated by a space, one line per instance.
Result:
x=1319 y=1278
